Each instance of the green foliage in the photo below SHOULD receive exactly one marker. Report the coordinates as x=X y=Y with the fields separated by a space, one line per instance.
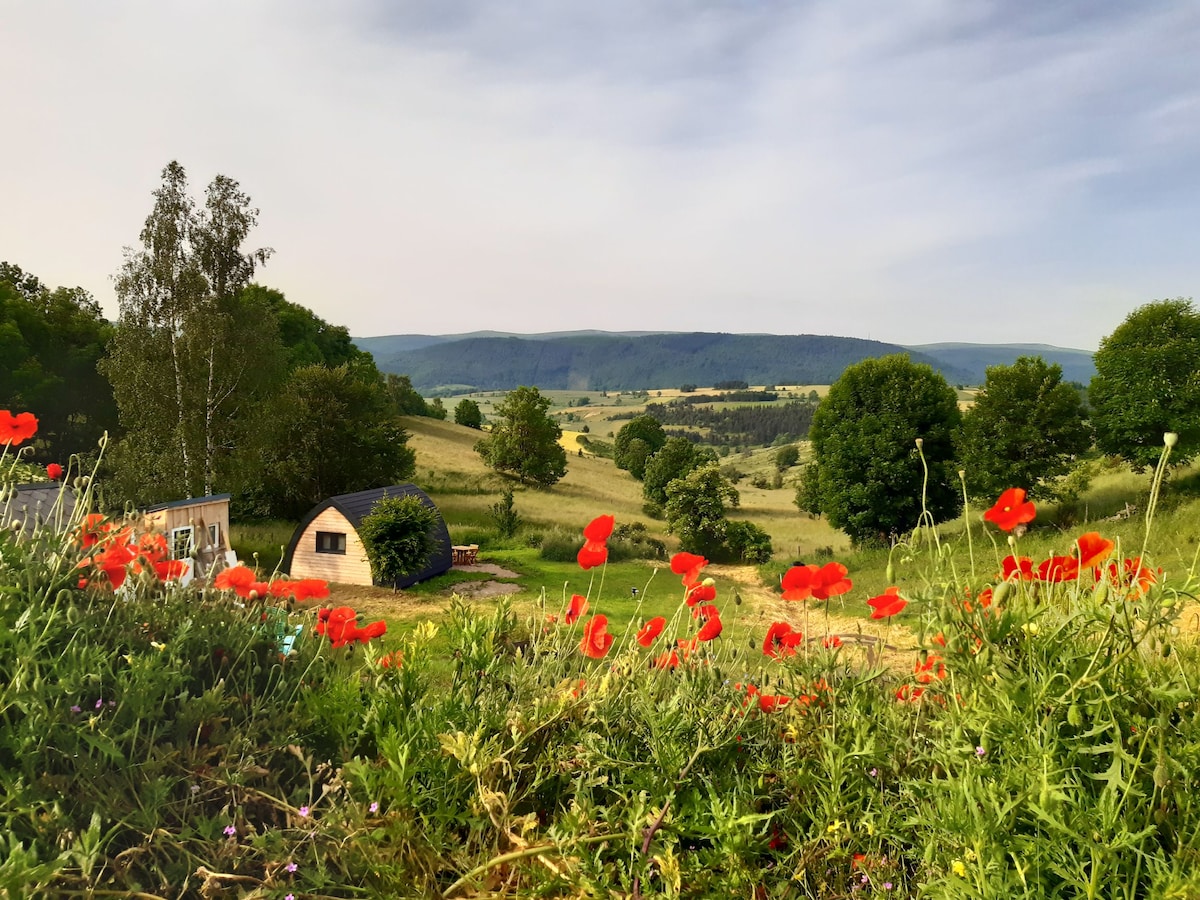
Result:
x=695 y=509
x=524 y=439
x=756 y=424
x=870 y=481
x=504 y=514
x=638 y=440
x=50 y=344
x=1026 y=429
x=398 y=534
x=467 y=413
x=307 y=338
x=327 y=432
x=1146 y=384
x=748 y=543
x=786 y=457
x=676 y=459
x=628 y=542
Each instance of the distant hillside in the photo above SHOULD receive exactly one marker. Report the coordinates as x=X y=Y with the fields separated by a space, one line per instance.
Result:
x=1077 y=365
x=599 y=360
x=389 y=345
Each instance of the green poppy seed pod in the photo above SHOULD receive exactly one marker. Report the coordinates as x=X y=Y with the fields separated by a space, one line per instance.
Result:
x=890 y=573
x=1000 y=591
x=1161 y=778
x=1101 y=592
x=1170 y=439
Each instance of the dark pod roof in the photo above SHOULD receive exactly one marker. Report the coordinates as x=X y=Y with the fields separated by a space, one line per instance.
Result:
x=357 y=505
x=34 y=503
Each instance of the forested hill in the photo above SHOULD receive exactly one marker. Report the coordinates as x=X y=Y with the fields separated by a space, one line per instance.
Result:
x=596 y=361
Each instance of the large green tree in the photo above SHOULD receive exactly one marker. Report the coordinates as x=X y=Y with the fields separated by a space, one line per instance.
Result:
x=328 y=431
x=1147 y=382
x=696 y=505
x=677 y=457
x=867 y=475
x=467 y=413
x=190 y=350
x=524 y=439
x=50 y=345
x=1026 y=429
x=638 y=440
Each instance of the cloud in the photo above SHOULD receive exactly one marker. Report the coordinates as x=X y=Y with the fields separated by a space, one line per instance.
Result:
x=918 y=171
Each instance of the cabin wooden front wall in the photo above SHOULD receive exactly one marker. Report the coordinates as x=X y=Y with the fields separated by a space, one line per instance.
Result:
x=351 y=567
x=194 y=530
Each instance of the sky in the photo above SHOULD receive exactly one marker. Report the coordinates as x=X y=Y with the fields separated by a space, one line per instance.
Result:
x=910 y=171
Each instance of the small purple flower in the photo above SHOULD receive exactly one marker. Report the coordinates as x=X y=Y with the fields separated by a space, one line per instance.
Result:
x=874 y=773
x=230 y=830
x=304 y=812
x=76 y=709
x=99 y=703
x=112 y=702
x=374 y=807
x=290 y=897
x=887 y=885
x=980 y=752
x=291 y=867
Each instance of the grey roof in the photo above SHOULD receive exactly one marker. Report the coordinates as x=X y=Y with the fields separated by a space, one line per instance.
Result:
x=356 y=506
x=33 y=503
x=190 y=501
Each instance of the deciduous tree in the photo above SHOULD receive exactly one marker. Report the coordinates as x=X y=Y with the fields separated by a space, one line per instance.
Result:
x=638 y=440
x=1025 y=430
x=524 y=439
x=1147 y=383
x=467 y=413
x=696 y=507
x=868 y=474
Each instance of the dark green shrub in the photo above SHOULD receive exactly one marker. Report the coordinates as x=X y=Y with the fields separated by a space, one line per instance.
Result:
x=748 y=543
x=398 y=535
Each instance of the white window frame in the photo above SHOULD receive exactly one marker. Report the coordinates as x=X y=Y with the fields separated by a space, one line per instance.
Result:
x=190 y=531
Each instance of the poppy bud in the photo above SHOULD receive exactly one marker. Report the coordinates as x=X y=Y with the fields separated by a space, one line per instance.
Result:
x=890 y=573
x=920 y=443
x=1170 y=439
x=737 y=598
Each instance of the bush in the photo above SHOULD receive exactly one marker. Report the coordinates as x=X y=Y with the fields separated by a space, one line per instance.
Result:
x=748 y=543
x=398 y=535
x=504 y=514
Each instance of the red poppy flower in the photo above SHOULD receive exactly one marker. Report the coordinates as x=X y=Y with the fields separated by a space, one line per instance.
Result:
x=1093 y=549
x=651 y=630
x=393 y=660
x=701 y=593
x=1011 y=510
x=909 y=694
x=576 y=608
x=705 y=611
x=596 y=639
x=370 y=632
x=309 y=589
x=54 y=471
x=887 y=604
x=781 y=640
x=170 y=569
x=592 y=554
x=1132 y=576
x=237 y=578
x=688 y=565
x=1018 y=568
x=710 y=629
x=18 y=428
x=818 y=582
x=831 y=642
x=831 y=581
x=667 y=661
x=599 y=529
x=932 y=668
x=93 y=530
x=770 y=703
x=1057 y=569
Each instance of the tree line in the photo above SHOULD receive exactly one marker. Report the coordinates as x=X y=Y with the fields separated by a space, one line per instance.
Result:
x=739 y=425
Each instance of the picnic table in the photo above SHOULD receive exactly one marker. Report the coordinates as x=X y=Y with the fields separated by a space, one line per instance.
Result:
x=464 y=554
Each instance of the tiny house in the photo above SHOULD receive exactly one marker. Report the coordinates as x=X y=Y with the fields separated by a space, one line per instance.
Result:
x=326 y=543
x=196 y=528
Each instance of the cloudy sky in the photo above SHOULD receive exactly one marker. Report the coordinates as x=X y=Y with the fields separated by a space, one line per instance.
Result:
x=905 y=170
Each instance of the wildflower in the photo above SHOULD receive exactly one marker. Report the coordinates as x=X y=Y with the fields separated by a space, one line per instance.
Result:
x=980 y=752
x=596 y=639
x=392 y=660
x=930 y=669
x=909 y=694
x=667 y=660
x=705 y=592
x=887 y=885
x=99 y=703
x=1057 y=569
x=705 y=611
x=195 y=789
x=1011 y=510
x=887 y=604
x=874 y=773
x=237 y=578
x=688 y=566
x=959 y=869
x=594 y=551
x=781 y=640
x=1093 y=549
x=289 y=897
x=76 y=709
x=651 y=630
x=230 y=831
x=1133 y=576
x=374 y=807
x=304 y=812
x=1017 y=568
x=710 y=629
x=575 y=609
x=291 y=867
x=831 y=642
x=54 y=471
x=18 y=428
x=817 y=582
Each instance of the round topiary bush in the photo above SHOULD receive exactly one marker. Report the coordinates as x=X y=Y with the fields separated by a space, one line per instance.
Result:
x=398 y=535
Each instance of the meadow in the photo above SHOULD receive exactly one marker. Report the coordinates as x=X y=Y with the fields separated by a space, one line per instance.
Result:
x=1020 y=735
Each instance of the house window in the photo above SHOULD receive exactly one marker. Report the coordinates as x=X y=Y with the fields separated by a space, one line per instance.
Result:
x=214 y=535
x=182 y=542
x=331 y=542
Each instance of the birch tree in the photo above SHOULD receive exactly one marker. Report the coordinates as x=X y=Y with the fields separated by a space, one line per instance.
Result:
x=189 y=350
